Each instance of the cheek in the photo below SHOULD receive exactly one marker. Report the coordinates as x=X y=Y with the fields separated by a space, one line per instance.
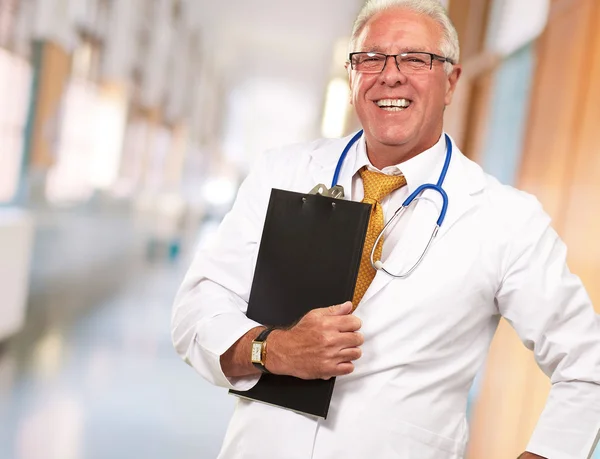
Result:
x=353 y=89
x=434 y=95
x=356 y=88
x=354 y=93
x=359 y=89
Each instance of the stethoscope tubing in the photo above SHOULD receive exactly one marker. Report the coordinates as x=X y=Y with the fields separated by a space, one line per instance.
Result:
x=338 y=168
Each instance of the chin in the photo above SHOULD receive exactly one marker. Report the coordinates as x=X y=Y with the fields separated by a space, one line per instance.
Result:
x=393 y=139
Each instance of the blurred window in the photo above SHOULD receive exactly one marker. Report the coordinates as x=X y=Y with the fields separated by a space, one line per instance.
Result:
x=515 y=23
x=508 y=116
x=8 y=22
x=91 y=133
x=136 y=146
x=86 y=60
x=68 y=180
x=90 y=142
x=15 y=78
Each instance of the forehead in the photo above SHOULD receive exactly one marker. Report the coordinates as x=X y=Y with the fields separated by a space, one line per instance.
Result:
x=398 y=30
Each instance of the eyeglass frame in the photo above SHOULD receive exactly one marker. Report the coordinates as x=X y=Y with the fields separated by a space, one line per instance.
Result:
x=434 y=57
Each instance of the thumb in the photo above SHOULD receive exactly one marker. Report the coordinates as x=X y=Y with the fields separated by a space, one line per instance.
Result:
x=339 y=309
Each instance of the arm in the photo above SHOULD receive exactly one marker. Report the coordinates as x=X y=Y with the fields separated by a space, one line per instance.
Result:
x=210 y=330
x=550 y=310
x=209 y=313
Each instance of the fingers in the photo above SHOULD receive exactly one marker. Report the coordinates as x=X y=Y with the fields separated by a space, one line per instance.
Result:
x=349 y=340
x=349 y=323
x=344 y=368
x=344 y=365
x=350 y=354
x=338 y=310
x=340 y=341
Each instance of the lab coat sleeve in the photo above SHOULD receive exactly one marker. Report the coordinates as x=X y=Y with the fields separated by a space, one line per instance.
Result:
x=550 y=310
x=208 y=315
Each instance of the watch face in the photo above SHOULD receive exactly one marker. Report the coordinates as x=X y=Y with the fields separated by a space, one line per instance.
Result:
x=256 y=352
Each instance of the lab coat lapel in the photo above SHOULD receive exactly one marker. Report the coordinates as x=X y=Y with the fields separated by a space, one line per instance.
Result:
x=464 y=179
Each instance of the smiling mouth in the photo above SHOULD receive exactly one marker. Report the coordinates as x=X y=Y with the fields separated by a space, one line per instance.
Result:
x=393 y=105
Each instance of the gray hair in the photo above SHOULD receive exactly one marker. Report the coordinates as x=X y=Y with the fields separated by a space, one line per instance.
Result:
x=449 y=46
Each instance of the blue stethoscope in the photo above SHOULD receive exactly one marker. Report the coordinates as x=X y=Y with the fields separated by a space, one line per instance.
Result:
x=378 y=264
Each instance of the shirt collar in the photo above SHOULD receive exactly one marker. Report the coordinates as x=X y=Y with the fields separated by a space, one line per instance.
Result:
x=417 y=170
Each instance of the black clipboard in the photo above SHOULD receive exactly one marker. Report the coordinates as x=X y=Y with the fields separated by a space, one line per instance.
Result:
x=308 y=258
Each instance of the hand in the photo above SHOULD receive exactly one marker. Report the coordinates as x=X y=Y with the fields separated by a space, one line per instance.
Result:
x=321 y=345
x=528 y=455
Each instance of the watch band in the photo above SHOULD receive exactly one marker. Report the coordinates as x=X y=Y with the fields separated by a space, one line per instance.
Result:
x=261 y=338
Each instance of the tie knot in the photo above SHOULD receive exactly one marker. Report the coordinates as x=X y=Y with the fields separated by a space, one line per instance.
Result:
x=377 y=185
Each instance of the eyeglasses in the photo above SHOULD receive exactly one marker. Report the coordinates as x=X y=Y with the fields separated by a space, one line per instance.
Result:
x=407 y=63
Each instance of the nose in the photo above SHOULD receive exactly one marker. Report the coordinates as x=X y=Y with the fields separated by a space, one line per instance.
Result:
x=391 y=74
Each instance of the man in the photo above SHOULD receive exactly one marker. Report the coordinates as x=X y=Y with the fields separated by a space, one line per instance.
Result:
x=403 y=379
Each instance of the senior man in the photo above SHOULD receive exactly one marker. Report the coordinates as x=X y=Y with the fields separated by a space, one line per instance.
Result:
x=403 y=379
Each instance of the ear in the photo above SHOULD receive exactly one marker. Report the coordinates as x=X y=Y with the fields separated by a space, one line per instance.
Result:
x=452 y=82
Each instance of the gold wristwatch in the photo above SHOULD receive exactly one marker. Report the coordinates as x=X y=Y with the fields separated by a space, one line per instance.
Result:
x=259 y=350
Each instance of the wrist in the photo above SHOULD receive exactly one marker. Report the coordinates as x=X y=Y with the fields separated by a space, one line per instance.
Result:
x=274 y=361
x=234 y=361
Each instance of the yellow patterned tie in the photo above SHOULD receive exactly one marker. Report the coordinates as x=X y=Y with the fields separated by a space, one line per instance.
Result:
x=377 y=186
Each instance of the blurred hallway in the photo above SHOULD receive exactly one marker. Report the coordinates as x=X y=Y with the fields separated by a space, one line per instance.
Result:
x=128 y=125
x=97 y=376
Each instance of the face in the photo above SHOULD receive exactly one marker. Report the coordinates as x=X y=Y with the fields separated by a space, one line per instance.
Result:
x=419 y=126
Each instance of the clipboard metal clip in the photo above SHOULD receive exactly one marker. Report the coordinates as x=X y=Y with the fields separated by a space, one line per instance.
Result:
x=337 y=192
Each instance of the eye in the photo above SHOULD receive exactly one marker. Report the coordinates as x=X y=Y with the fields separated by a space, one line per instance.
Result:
x=371 y=57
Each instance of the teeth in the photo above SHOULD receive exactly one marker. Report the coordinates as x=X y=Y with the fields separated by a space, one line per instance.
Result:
x=396 y=103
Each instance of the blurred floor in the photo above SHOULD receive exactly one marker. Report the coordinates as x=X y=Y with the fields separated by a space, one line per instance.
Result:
x=94 y=374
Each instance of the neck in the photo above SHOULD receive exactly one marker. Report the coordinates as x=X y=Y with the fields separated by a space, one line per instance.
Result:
x=382 y=155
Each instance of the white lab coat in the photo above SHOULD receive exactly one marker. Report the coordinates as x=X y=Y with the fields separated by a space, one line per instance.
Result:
x=426 y=337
